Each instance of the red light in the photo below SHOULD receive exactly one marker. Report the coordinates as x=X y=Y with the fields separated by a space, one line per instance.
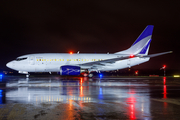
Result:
x=165 y=92
x=164 y=66
x=71 y=53
x=164 y=79
x=136 y=72
x=131 y=56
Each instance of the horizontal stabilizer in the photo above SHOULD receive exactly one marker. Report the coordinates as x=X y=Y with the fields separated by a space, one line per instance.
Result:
x=154 y=55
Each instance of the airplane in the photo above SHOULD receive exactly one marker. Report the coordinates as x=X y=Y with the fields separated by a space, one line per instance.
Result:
x=76 y=64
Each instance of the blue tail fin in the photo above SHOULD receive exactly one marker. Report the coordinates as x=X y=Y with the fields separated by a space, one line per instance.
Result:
x=147 y=32
x=142 y=43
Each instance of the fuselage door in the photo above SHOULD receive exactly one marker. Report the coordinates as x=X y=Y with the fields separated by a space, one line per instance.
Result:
x=31 y=60
x=129 y=62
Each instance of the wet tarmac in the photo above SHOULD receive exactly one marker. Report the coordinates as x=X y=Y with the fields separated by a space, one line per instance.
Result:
x=55 y=97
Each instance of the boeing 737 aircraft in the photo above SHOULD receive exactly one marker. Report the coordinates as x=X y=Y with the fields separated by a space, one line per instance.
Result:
x=75 y=64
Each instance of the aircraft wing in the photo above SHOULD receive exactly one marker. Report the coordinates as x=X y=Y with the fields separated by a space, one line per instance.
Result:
x=104 y=62
x=113 y=60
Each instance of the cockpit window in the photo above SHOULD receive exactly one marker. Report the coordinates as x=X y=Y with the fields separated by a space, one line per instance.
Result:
x=19 y=59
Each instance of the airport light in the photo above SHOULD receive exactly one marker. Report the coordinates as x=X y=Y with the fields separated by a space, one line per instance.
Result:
x=164 y=67
x=164 y=80
x=100 y=75
x=136 y=72
x=176 y=76
x=1 y=76
x=71 y=53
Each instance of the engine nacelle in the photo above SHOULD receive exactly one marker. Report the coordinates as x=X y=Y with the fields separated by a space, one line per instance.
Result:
x=70 y=70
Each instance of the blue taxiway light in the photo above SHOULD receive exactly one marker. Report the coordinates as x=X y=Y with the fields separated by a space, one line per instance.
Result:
x=100 y=75
x=1 y=76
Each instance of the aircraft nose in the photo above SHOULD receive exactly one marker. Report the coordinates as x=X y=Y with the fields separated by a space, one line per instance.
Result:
x=9 y=64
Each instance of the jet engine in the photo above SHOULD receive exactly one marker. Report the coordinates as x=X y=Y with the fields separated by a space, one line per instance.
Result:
x=70 y=70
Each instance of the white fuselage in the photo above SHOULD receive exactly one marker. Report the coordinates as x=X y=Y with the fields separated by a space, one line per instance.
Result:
x=51 y=62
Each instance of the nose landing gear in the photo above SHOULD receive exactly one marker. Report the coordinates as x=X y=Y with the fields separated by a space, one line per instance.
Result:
x=27 y=76
x=24 y=72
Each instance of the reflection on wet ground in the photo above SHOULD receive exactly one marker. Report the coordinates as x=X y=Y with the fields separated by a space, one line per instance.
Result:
x=84 y=98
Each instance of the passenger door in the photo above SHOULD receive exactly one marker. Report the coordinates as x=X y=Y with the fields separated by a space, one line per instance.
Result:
x=129 y=62
x=40 y=64
x=31 y=60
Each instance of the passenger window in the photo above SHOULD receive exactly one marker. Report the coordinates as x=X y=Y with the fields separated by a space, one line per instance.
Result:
x=54 y=59
x=49 y=59
x=37 y=59
x=57 y=59
x=44 y=59
x=62 y=59
x=84 y=59
x=74 y=59
x=67 y=59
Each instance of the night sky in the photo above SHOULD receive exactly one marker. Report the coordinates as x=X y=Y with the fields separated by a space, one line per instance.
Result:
x=100 y=26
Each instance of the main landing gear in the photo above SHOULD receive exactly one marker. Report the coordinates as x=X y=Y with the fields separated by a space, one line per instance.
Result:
x=90 y=75
x=86 y=74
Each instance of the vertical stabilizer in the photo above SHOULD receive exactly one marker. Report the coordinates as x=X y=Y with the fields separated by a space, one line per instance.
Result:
x=142 y=43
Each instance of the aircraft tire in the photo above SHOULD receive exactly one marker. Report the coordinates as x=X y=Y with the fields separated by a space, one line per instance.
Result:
x=90 y=75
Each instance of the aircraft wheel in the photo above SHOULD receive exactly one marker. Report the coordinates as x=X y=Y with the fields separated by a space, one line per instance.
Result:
x=90 y=75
